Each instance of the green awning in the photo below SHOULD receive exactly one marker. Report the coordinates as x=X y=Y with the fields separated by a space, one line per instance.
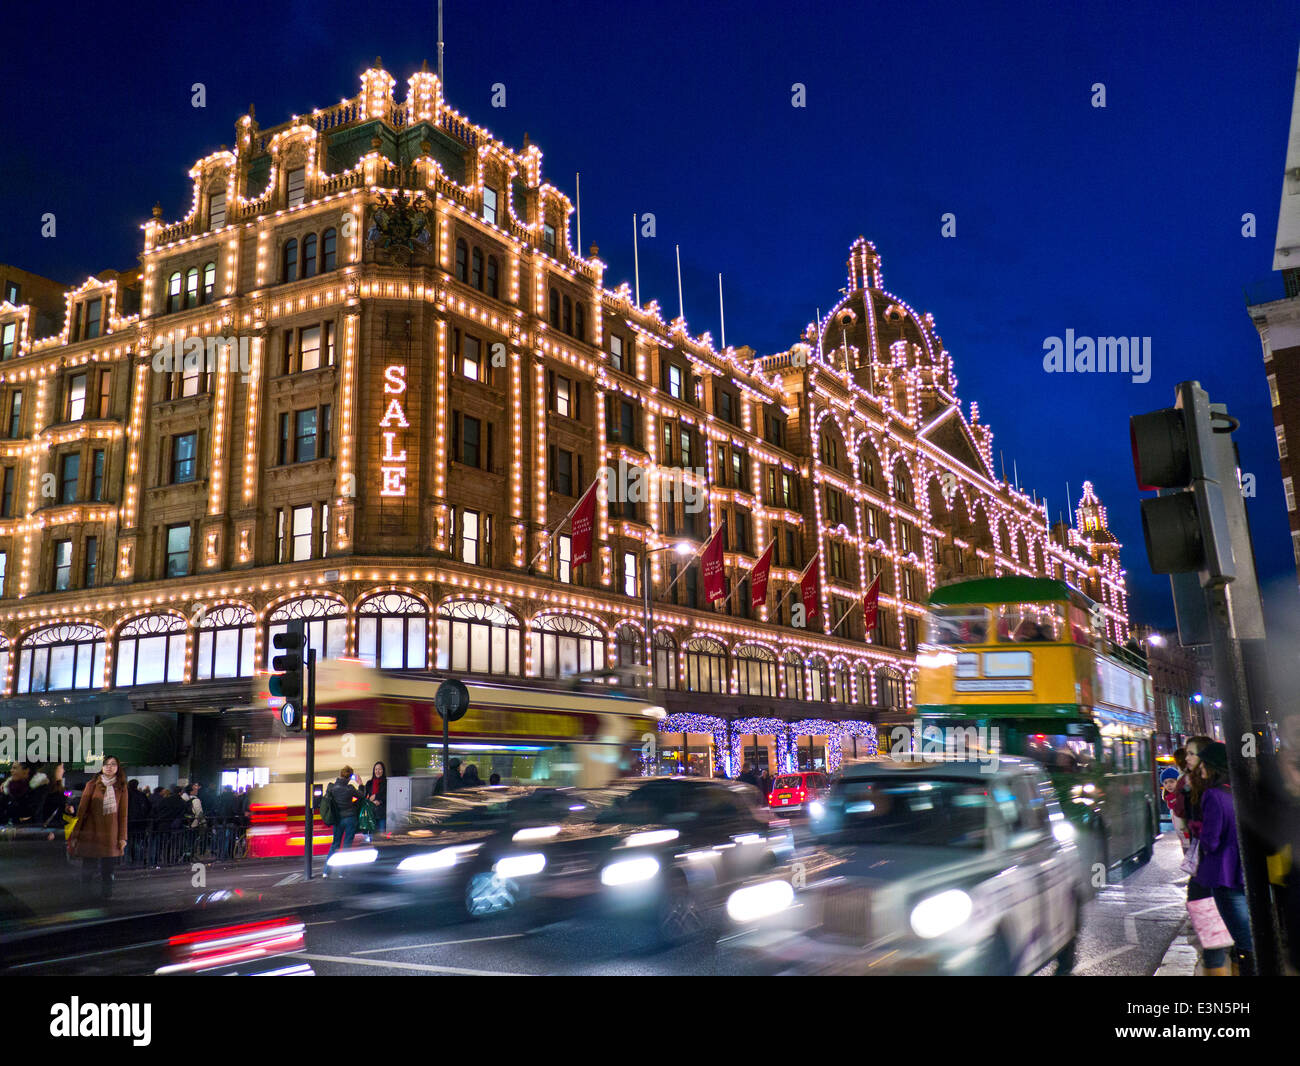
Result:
x=142 y=739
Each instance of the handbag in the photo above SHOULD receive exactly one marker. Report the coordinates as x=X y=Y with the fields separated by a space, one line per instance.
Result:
x=1192 y=860
x=1208 y=923
x=366 y=820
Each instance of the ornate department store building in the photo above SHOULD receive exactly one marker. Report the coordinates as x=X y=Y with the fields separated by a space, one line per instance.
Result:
x=365 y=377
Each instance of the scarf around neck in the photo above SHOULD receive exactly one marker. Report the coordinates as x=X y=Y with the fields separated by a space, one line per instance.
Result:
x=110 y=793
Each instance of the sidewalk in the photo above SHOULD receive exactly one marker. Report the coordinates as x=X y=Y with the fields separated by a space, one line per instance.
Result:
x=273 y=881
x=1182 y=959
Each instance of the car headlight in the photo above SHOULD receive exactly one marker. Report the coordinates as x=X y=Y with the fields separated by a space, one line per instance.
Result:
x=650 y=836
x=941 y=913
x=353 y=858
x=442 y=859
x=540 y=832
x=520 y=865
x=1063 y=831
x=817 y=809
x=629 y=871
x=759 y=901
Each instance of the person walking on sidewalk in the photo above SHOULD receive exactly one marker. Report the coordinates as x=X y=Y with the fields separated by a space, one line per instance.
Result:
x=137 y=818
x=100 y=834
x=345 y=806
x=1220 y=866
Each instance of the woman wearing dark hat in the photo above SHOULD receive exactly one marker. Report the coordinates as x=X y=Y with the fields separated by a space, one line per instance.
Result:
x=1220 y=864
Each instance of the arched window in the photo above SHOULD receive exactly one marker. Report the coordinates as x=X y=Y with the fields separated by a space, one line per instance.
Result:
x=150 y=650
x=819 y=691
x=568 y=316
x=755 y=671
x=327 y=625
x=555 y=309
x=61 y=657
x=328 y=249
x=889 y=685
x=174 y=291
x=493 y=278
x=793 y=675
x=192 y=287
x=706 y=665
x=226 y=641
x=830 y=450
x=462 y=259
x=580 y=323
x=902 y=484
x=209 y=281
x=309 y=255
x=476 y=270
x=863 y=678
x=629 y=645
x=869 y=467
x=564 y=645
x=289 y=260
x=479 y=638
x=392 y=632
x=665 y=661
x=839 y=683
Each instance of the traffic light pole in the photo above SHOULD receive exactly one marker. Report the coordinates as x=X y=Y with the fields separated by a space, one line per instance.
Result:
x=309 y=819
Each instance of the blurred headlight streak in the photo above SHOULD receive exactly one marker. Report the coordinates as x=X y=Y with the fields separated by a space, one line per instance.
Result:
x=759 y=901
x=941 y=913
x=652 y=836
x=520 y=865
x=817 y=809
x=441 y=859
x=540 y=832
x=629 y=871
x=1063 y=830
x=353 y=858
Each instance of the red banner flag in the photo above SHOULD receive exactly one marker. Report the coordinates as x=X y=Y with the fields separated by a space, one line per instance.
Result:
x=711 y=564
x=584 y=521
x=871 y=604
x=758 y=577
x=810 y=587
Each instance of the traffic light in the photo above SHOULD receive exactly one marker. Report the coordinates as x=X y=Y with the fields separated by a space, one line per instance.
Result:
x=287 y=683
x=1186 y=526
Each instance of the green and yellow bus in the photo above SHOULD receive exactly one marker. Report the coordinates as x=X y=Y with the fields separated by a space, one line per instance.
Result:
x=1026 y=662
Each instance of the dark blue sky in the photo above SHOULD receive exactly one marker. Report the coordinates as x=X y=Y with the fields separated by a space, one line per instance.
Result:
x=1122 y=221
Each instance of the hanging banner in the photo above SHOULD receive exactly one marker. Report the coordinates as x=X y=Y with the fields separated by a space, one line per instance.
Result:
x=810 y=587
x=584 y=521
x=871 y=604
x=758 y=577
x=711 y=564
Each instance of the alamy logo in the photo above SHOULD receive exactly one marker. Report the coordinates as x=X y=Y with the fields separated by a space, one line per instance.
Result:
x=211 y=355
x=133 y=1020
x=932 y=743
x=43 y=743
x=1098 y=355
x=631 y=484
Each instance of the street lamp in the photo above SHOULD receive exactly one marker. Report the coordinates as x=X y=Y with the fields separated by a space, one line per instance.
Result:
x=1198 y=698
x=1156 y=640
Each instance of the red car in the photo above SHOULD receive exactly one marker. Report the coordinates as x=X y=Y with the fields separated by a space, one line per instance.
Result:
x=792 y=792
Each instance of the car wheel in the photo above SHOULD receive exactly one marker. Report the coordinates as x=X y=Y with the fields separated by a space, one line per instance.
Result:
x=678 y=916
x=487 y=895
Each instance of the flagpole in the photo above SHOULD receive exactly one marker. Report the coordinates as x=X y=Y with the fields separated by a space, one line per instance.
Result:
x=577 y=180
x=681 y=307
x=636 y=261
x=552 y=531
x=722 y=314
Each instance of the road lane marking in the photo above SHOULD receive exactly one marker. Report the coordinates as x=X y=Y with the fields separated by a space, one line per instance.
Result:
x=292 y=879
x=440 y=944
x=351 y=960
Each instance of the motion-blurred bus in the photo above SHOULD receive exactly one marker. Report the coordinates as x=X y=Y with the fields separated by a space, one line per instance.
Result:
x=1023 y=661
x=529 y=734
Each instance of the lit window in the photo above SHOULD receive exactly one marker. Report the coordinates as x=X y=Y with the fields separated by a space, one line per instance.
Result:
x=1273 y=395
x=174 y=292
x=209 y=281
x=305 y=435
x=562 y=396
x=1281 y=441
x=92 y=318
x=16 y=413
x=629 y=574
x=62 y=565
x=69 y=474
x=301 y=533
x=471 y=359
x=469 y=537
x=217 y=209
x=309 y=348
x=192 y=287
x=76 y=398
x=8 y=342
x=297 y=186
x=184 y=461
x=1288 y=487
x=489 y=205
x=675 y=381
x=616 y=351
x=178 y=551
x=548 y=239
x=564 y=557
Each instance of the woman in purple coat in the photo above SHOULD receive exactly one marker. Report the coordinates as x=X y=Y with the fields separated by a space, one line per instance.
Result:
x=1220 y=864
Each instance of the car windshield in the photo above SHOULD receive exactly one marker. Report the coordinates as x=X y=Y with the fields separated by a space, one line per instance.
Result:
x=923 y=811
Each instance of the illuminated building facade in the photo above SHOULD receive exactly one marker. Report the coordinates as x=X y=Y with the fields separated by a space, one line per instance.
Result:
x=365 y=377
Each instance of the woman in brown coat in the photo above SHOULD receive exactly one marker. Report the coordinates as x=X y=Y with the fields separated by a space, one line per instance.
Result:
x=99 y=836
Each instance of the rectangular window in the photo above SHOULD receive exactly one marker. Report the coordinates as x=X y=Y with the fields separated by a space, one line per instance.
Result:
x=471 y=431
x=7 y=494
x=217 y=210
x=674 y=381
x=562 y=396
x=309 y=348
x=8 y=340
x=284 y=439
x=185 y=449
x=62 y=565
x=91 y=561
x=290 y=350
x=297 y=186
x=105 y=393
x=76 y=408
x=280 y=542
x=16 y=413
x=630 y=574
x=469 y=537
x=787 y=491
x=304 y=436
x=564 y=559
x=4 y=565
x=301 y=534
x=686 y=438
x=326 y=429
x=471 y=359
x=324 y=530
x=489 y=205
x=1288 y=487
x=178 y=551
x=1274 y=396
x=92 y=319
x=329 y=343
x=69 y=473
x=774 y=428
x=12 y=290
x=1281 y=441
x=615 y=351
x=726 y=406
x=562 y=471
x=548 y=239
x=737 y=469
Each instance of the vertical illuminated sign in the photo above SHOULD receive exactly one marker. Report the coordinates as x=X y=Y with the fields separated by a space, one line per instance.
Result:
x=392 y=463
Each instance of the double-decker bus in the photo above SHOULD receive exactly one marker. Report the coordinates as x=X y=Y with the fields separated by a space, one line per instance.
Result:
x=528 y=732
x=1024 y=661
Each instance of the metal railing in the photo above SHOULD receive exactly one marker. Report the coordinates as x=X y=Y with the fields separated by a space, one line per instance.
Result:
x=214 y=840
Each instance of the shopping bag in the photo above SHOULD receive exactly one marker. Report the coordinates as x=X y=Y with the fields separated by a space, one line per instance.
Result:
x=1192 y=859
x=1208 y=923
x=366 y=820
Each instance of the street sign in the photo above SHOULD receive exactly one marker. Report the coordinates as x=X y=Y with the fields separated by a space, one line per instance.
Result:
x=452 y=700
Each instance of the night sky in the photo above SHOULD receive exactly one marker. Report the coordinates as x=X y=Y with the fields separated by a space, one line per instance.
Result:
x=1118 y=221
